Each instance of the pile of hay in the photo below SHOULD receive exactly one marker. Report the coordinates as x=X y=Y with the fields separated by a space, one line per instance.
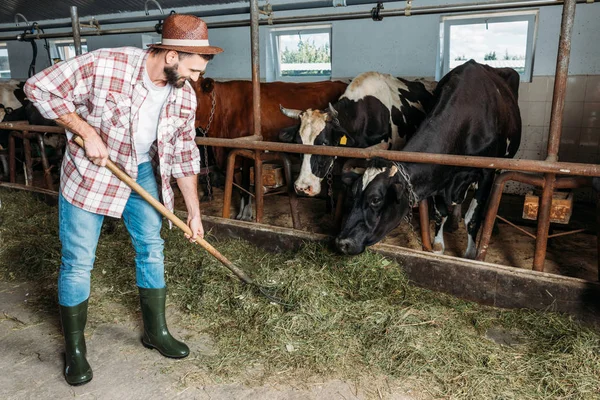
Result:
x=354 y=316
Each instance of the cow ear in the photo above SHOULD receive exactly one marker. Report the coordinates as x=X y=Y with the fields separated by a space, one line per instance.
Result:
x=352 y=170
x=207 y=85
x=289 y=135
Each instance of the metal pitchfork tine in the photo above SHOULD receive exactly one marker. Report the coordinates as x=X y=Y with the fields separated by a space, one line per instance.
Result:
x=183 y=226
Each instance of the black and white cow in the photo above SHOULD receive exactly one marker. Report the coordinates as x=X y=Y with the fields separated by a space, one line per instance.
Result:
x=475 y=113
x=375 y=108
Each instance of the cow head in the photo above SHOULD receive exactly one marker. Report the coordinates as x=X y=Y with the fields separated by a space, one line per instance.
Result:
x=319 y=128
x=380 y=200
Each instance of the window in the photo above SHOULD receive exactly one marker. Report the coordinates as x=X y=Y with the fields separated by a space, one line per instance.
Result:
x=63 y=50
x=499 y=40
x=303 y=53
x=150 y=39
x=4 y=65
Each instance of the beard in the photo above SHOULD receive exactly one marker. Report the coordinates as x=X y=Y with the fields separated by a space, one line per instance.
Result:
x=173 y=77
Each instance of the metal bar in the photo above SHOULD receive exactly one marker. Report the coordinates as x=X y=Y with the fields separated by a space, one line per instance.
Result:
x=494 y=203
x=28 y=162
x=18 y=186
x=12 y=156
x=255 y=49
x=287 y=169
x=572 y=182
x=560 y=81
x=229 y=183
x=424 y=222
x=30 y=128
x=76 y=30
x=45 y=163
x=566 y=233
x=402 y=156
x=531 y=235
x=243 y=190
x=489 y=6
x=258 y=185
x=405 y=156
x=558 y=103
x=289 y=6
x=543 y=227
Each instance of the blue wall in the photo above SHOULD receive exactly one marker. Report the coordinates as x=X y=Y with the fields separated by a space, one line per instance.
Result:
x=401 y=46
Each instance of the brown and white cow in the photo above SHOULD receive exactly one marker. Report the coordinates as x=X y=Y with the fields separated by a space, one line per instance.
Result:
x=233 y=116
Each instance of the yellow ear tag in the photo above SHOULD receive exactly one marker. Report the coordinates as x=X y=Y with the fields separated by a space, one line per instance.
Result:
x=343 y=140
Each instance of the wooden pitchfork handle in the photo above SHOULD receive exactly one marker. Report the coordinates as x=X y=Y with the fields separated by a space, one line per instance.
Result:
x=170 y=216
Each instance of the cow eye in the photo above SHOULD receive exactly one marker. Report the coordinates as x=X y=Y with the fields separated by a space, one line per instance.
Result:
x=375 y=201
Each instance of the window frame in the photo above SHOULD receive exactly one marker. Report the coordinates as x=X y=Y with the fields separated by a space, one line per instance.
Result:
x=446 y=22
x=62 y=43
x=4 y=46
x=276 y=33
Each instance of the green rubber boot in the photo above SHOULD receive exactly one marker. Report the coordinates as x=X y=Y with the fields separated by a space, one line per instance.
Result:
x=156 y=334
x=73 y=319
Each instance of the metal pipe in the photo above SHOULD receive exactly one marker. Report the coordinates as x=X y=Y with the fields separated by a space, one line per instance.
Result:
x=255 y=49
x=35 y=189
x=402 y=156
x=14 y=126
x=76 y=31
x=45 y=163
x=566 y=233
x=558 y=103
x=560 y=81
x=405 y=156
x=490 y=6
x=424 y=222
x=494 y=203
x=17 y=15
x=157 y=5
x=543 y=227
x=289 y=6
x=531 y=235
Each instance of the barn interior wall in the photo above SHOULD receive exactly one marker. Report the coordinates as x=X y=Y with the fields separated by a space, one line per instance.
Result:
x=408 y=47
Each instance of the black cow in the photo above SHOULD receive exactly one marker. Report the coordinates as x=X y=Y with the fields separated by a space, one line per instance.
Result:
x=375 y=108
x=476 y=114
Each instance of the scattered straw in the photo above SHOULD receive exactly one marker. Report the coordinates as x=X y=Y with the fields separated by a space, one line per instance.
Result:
x=355 y=316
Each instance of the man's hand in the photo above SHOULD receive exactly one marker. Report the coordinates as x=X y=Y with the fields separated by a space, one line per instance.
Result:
x=195 y=224
x=189 y=189
x=95 y=149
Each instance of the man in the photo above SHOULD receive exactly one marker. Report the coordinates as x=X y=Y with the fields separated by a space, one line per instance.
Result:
x=138 y=108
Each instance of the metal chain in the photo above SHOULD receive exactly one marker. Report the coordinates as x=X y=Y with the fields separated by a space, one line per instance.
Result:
x=205 y=133
x=329 y=175
x=330 y=190
x=413 y=200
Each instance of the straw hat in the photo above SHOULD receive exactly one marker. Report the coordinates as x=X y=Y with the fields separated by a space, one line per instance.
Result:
x=186 y=33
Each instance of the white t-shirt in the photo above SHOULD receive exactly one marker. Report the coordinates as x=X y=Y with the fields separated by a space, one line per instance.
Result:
x=148 y=118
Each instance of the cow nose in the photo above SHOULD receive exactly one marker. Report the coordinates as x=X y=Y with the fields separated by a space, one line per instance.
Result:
x=303 y=189
x=342 y=245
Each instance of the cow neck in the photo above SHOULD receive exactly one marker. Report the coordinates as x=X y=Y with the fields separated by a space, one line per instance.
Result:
x=404 y=174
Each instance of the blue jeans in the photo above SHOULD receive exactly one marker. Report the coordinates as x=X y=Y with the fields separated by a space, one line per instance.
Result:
x=79 y=231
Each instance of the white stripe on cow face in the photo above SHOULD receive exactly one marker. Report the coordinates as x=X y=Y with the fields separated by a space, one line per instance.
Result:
x=369 y=175
x=312 y=123
x=307 y=182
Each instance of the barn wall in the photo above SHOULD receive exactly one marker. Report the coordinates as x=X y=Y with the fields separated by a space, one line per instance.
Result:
x=401 y=46
x=408 y=47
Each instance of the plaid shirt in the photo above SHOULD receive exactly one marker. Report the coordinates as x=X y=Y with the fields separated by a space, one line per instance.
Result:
x=105 y=87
